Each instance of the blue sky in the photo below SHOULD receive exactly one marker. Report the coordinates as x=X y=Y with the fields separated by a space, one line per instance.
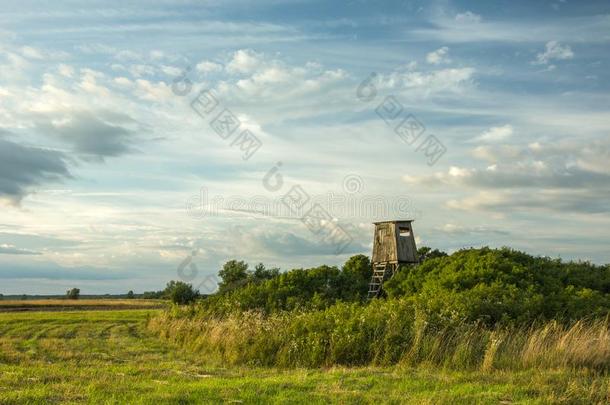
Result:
x=109 y=180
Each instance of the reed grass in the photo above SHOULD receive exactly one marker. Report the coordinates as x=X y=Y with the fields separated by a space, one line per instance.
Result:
x=353 y=335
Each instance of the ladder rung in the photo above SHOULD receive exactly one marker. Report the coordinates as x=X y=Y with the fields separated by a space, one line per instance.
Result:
x=381 y=271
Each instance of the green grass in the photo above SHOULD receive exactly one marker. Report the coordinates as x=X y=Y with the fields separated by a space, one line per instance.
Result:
x=109 y=357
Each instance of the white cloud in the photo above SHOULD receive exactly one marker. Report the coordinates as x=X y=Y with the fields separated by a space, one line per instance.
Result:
x=558 y=200
x=446 y=29
x=16 y=67
x=278 y=81
x=156 y=54
x=94 y=48
x=244 y=61
x=272 y=75
x=123 y=81
x=292 y=87
x=554 y=51
x=38 y=54
x=13 y=250
x=140 y=70
x=150 y=91
x=485 y=199
x=468 y=17
x=439 y=56
x=497 y=153
x=206 y=66
x=463 y=230
x=520 y=174
x=89 y=82
x=171 y=70
x=595 y=157
x=65 y=70
x=495 y=134
x=554 y=176
x=126 y=55
x=31 y=53
x=428 y=82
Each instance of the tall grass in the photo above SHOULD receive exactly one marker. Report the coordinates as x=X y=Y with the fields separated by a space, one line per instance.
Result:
x=383 y=333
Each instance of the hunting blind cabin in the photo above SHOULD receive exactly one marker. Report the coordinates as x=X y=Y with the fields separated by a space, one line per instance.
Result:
x=393 y=245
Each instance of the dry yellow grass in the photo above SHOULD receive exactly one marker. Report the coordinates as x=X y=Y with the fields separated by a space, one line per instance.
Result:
x=61 y=304
x=250 y=337
x=584 y=344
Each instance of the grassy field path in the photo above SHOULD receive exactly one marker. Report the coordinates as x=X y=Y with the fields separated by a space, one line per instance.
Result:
x=108 y=357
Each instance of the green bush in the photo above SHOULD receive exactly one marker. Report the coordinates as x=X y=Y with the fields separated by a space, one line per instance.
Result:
x=73 y=294
x=492 y=286
x=502 y=286
x=181 y=293
x=270 y=291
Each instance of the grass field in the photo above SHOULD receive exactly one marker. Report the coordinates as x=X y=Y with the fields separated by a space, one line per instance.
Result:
x=109 y=357
x=81 y=304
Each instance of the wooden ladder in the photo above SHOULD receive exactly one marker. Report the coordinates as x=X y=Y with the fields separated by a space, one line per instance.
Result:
x=380 y=272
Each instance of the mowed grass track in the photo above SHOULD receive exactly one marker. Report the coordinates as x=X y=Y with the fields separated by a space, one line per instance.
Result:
x=108 y=357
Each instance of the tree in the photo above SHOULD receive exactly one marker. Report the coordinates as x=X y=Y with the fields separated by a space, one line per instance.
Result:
x=150 y=295
x=181 y=293
x=234 y=274
x=73 y=294
x=357 y=271
x=261 y=273
x=359 y=266
x=426 y=253
x=130 y=295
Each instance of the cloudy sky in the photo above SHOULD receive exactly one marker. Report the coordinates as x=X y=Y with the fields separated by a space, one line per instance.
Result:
x=135 y=135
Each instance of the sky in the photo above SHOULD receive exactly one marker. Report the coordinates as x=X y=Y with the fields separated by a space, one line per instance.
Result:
x=142 y=142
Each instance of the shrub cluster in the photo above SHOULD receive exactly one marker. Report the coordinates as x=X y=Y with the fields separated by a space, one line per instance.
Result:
x=178 y=292
x=503 y=286
x=482 y=308
x=315 y=288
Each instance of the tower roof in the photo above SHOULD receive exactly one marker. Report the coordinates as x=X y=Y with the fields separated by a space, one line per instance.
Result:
x=394 y=222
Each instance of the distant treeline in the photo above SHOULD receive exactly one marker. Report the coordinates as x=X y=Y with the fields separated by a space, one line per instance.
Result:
x=63 y=296
x=177 y=291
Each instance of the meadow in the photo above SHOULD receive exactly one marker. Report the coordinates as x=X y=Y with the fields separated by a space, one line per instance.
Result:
x=110 y=357
x=485 y=326
x=80 y=304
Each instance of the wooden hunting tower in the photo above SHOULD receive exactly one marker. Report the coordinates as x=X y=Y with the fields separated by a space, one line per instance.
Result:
x=393 y=245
